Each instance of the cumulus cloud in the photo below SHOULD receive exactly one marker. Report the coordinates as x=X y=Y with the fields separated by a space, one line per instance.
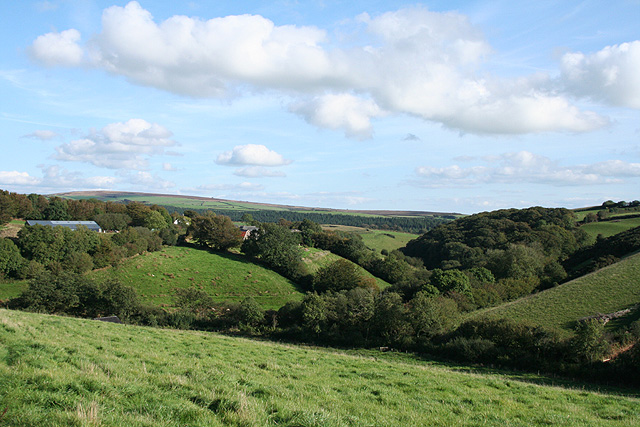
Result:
x=168 y=167
x=57 y=177
x=58 y=49
x=410 y=61
x=43 y=135
x=340 y=111
x=527 y=167
x=17 y=178
x=119 y=145
x=610 y=75
x=252 y=154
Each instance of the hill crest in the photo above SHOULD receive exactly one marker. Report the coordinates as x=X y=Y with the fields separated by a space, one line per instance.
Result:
x=122 y=195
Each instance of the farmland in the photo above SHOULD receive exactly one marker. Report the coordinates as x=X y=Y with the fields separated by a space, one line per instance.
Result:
x=225 y=276
x=610 y=289
x=62 y=371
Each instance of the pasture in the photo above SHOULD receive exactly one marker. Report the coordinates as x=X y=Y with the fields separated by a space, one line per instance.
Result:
x=57 y=371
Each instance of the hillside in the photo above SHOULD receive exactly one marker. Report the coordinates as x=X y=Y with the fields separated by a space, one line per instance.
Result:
x=197 y=202
x=226 y=277
x=57 y=371
x=607 y=290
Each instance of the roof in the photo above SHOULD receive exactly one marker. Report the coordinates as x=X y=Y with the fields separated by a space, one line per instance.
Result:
x=91 y=225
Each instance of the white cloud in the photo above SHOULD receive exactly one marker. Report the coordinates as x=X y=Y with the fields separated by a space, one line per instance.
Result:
x=119 y=145
x=411 y=61
x=526 y=167
x=616 y=168
x=43 y=135
x=146 y=180
x=18 y=178
x=340 y=111
x=252 y=154
x=611 y=75
x=58 y=49
x=168 y=167
x=57 y=177
x=258 y=172
x=242 y=187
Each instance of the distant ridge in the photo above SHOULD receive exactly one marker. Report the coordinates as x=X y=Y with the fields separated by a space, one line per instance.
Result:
x=122 y=195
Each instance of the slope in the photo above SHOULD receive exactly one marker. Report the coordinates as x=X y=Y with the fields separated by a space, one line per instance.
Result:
x=607 y=290
x=59 y=371
x=226 y=277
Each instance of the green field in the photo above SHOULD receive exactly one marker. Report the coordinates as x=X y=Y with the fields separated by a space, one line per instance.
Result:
x=610 y=289
x=217 y=204
x=317 y=258
x=226 y=277
x=377 y=239
x=11 y=288
x=57 y=371
x=609 y=228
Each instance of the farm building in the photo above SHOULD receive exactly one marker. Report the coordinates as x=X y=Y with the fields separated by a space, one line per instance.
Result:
x=247 y=230
x=91 y=225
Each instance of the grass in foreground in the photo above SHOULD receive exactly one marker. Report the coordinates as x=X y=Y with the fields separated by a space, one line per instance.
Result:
x=610 y=289
x=226 y=277
x=58 y=371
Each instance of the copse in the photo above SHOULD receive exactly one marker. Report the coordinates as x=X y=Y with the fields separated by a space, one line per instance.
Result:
x=216 y=232
x=277 y=247
x=512 y=243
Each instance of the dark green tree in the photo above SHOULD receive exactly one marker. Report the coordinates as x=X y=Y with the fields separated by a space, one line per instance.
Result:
x=277 y=247
x=193 y=300
x=11 y=261
x=214 y=231
x=339 y=275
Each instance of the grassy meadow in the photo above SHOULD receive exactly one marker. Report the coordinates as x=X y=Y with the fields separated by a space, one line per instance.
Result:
x=226 y=277
x=612 y=227
x=377 y=239
x=607 y=290
x=315 y=259
x=57 y=371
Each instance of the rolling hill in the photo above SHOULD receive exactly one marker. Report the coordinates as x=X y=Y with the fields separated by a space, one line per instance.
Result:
x=226 y=277
x=58 y=371
x=197 y=202
x=607 y=290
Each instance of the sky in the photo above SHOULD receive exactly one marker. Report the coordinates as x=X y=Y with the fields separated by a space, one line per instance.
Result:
x=450 y=106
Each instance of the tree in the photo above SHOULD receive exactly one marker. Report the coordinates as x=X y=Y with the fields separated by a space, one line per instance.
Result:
x=138 y=213
x=589 y=343
x=340 y=274
x=155 y=221
x=390 y=320
x=57 y=210
x=451 y=281
x=215 y=231
x=10 y=259
x=50 y=293
x=314 y=313
x=250 y=313
x=431 y=315
x=113 y=221
x=193 y=300
x=277 y=247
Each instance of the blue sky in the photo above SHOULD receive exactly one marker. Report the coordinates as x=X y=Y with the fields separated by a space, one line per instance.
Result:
x=441 y=106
